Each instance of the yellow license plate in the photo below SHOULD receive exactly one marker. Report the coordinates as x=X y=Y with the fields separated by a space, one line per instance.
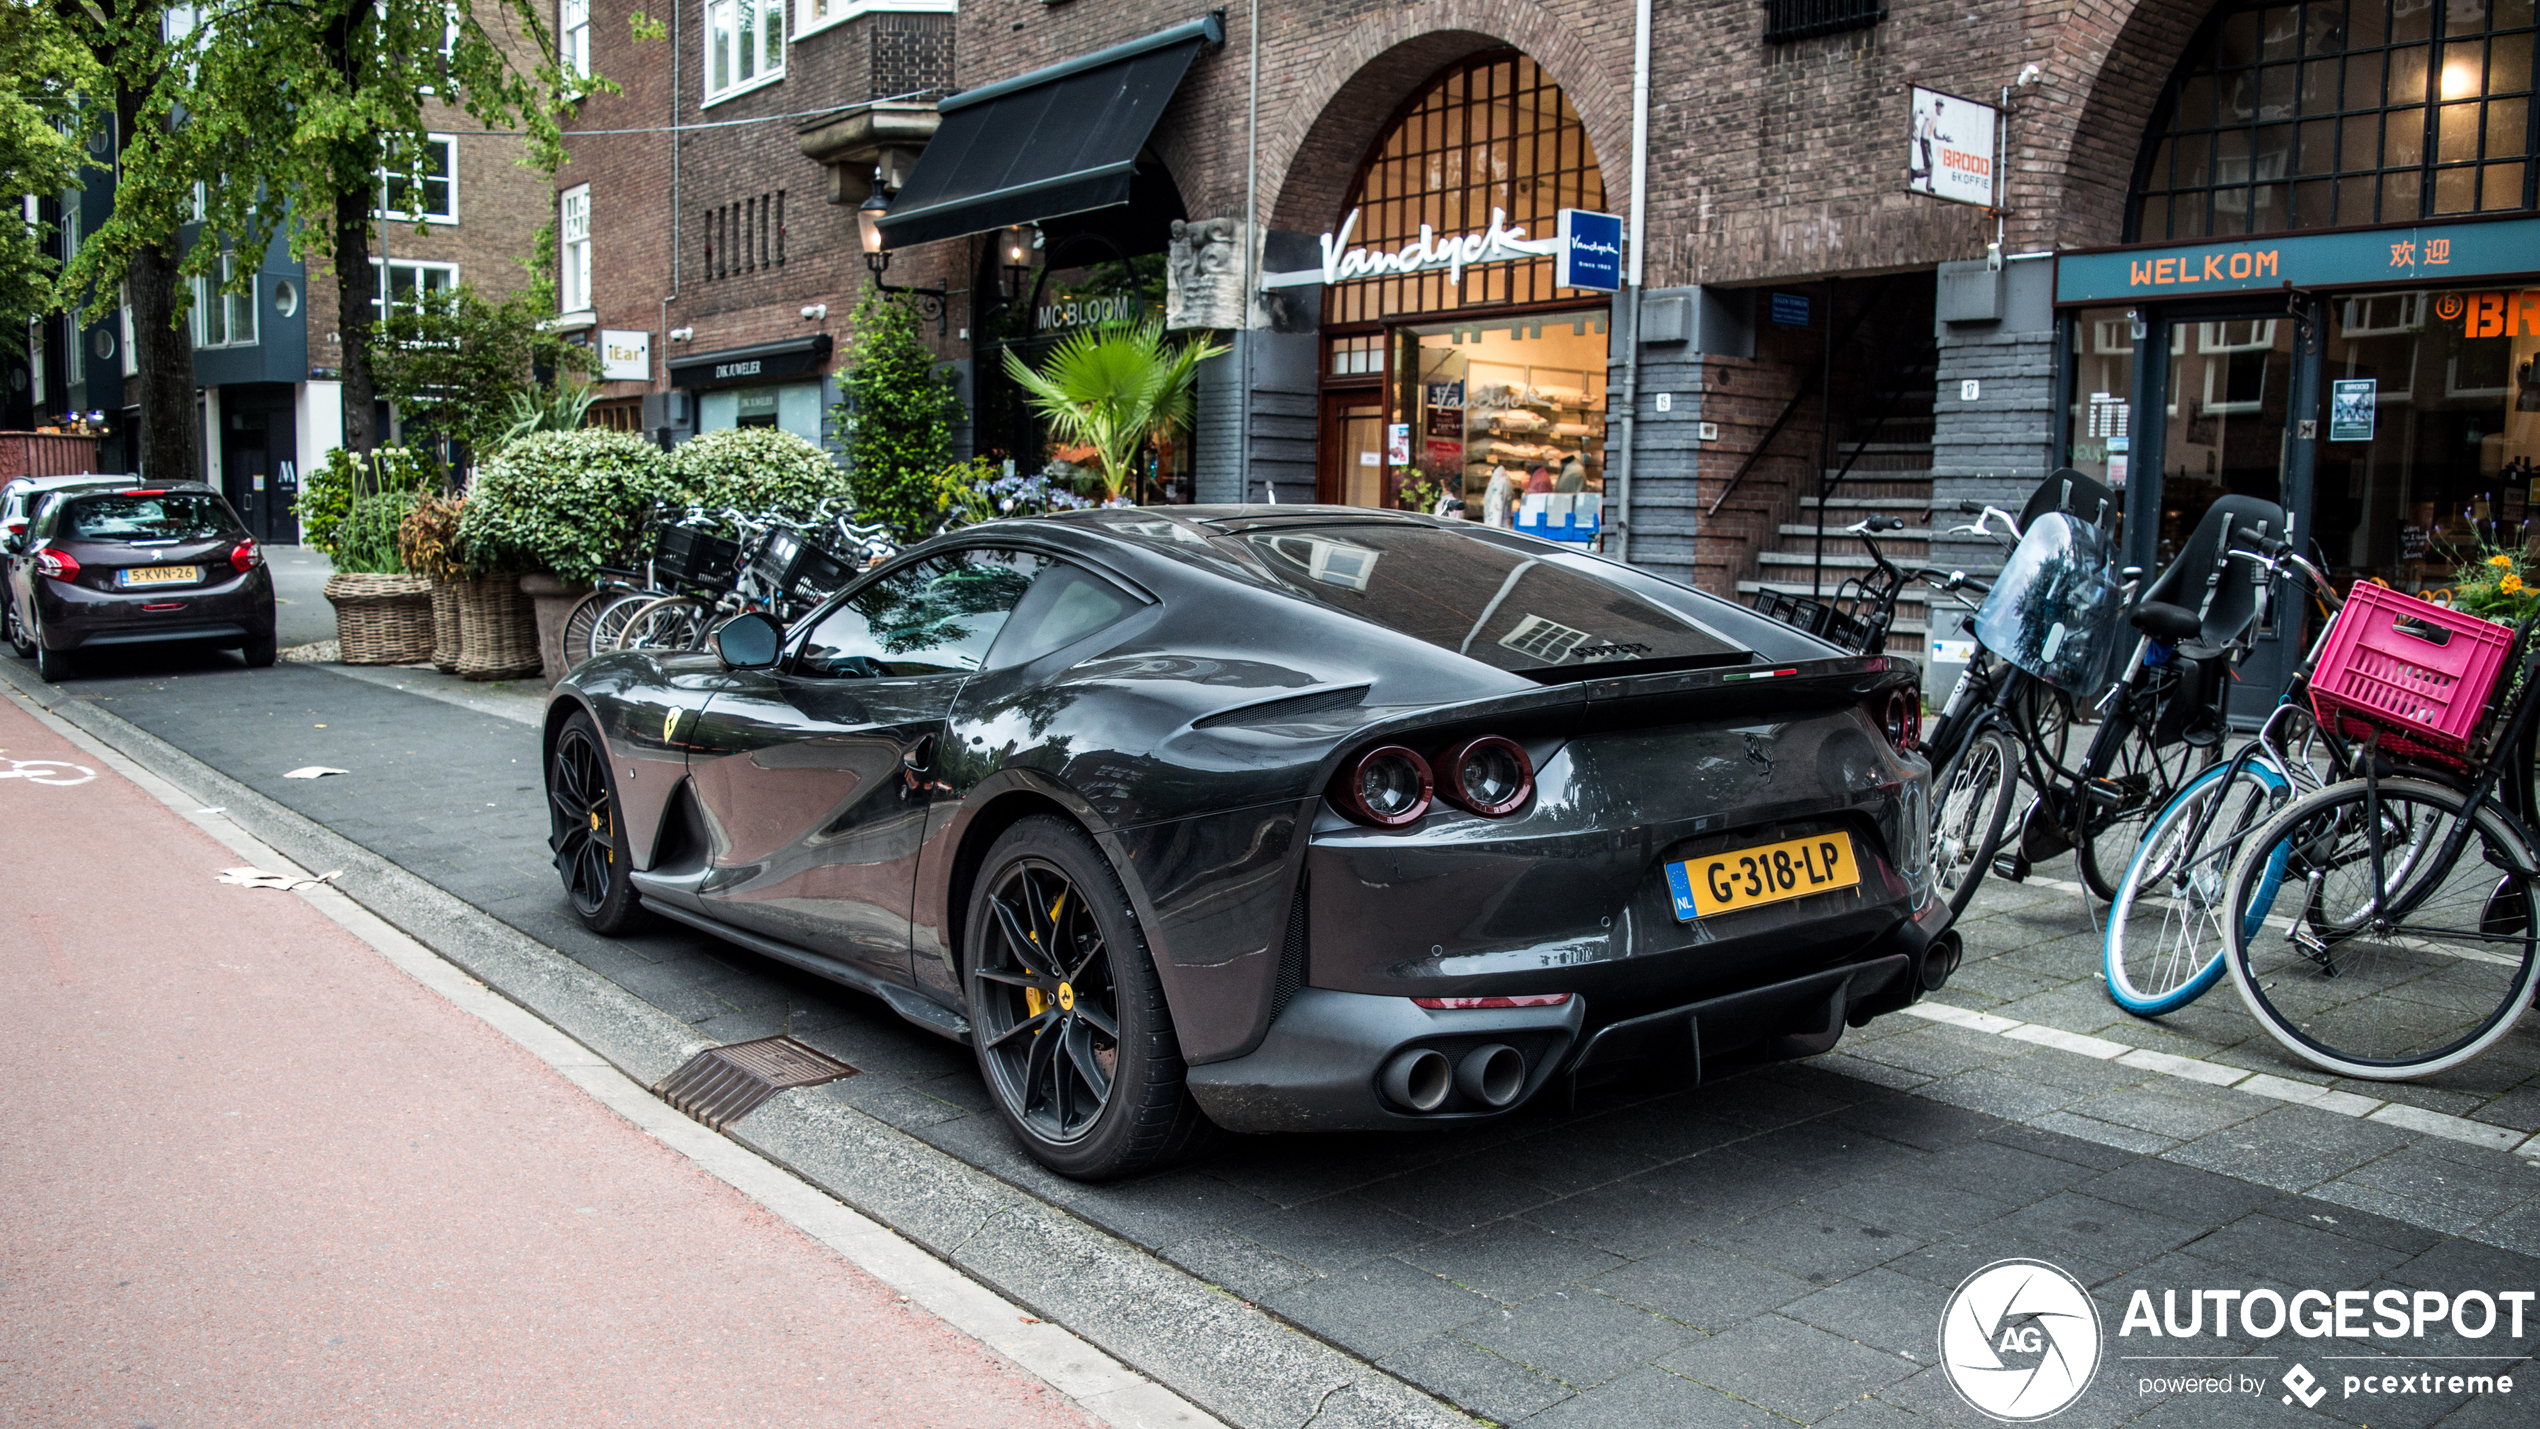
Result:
x=161 y=575
x=1767 y=873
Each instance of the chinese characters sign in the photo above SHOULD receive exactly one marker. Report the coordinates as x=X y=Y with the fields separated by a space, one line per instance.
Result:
x=2452 y=253
x=1950 y=152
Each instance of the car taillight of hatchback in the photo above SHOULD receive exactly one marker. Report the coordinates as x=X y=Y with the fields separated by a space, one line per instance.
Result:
x=56 y=565
x=244 y=557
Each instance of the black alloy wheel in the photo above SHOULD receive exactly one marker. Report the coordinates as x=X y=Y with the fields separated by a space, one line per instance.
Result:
x=586 y=832
x=1066 y=1012
x=18 y=638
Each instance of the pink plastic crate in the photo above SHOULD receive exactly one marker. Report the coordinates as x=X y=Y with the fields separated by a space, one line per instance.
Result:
x=2409 y=665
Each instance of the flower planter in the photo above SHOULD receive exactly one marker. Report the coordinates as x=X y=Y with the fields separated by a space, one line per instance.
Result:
x=553 y=600
x=446 y=641
x=381 y=620
x=498 y=630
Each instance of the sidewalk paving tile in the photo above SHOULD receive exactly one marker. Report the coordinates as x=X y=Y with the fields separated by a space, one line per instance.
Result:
x=1469 y=1375
x=1816 y=1244
x=1755 y=1362
x=1337 y=1232
x=1456 y=1196
x=2291 y=1147
x=1513 y=1261
x=1879 y=1308
x=1578 y=1336
x=2152 y=1184
x=1169 y=1207
x=1379 y=1306
x=2104 y=1133
x=2172 y=1107
x=1701 y=1287
x=1650 y=1396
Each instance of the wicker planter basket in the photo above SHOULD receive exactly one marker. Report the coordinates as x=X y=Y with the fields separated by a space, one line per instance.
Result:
x=498 y=630
x=446 y=643
x=382 y=620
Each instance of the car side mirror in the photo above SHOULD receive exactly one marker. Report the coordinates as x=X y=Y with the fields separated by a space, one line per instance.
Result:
x=748 y=642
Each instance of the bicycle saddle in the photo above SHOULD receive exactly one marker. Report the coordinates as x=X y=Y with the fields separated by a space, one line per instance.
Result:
x=2200 y=595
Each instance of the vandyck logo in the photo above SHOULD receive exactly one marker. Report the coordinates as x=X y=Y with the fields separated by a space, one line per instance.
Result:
x=2020 y=1340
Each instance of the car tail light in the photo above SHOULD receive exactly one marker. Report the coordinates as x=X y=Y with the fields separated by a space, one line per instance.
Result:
x=17 y=528
x=1488 y=775
x=1389 y=786
x=146 y=491
x=56 y=565
x=1523 y=999
x=1902 y=721
x=244 y=556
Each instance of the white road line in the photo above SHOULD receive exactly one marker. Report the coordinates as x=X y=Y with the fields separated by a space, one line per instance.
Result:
x=1106 y=1389
x=2216 y=1074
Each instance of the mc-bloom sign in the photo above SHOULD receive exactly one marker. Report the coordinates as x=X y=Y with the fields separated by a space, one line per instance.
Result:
x=2447 y=254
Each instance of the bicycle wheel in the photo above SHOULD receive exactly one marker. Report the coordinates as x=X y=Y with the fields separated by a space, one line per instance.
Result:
x=1973 y=799
x=2145 y=776
x=575 y=639
x=2165 y=937
x=671 y=623
x=2046 y=713
x=609 y=624
x=2361 y=983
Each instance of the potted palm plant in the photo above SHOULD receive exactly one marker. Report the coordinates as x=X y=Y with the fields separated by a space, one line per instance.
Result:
x=1115 y=389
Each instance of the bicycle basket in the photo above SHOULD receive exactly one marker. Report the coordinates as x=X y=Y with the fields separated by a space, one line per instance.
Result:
x=780 y=558
x=2420 y=672
x=689 y=557
x=819 y=575
x=2051 y=611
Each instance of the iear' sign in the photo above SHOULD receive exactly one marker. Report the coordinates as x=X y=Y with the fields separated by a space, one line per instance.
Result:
x=1950 y=154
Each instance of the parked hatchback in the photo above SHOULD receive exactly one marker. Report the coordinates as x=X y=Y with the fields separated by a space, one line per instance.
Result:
x=18 y=498
x=144 y=565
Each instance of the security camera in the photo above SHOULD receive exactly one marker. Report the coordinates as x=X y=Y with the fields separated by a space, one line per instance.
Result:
x=816 y=311
x=2031 y=74
x=682 y=334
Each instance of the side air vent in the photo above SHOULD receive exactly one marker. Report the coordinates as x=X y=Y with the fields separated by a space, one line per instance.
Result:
x=1294 y=707
x=1291 y=957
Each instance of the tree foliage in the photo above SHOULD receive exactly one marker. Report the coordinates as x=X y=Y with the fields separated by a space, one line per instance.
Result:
x=901 y=413
x=49 y=90
x=1116 y=388
x=460 y=365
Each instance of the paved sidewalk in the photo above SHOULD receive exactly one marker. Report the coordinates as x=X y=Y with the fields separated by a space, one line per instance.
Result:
x=1772 y=1248
x=256 y=1175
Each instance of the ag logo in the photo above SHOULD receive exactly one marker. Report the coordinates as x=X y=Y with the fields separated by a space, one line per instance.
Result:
x=2020 y=1340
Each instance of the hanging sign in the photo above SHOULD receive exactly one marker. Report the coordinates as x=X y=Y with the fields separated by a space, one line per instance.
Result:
x=1950 y=152
x=1500 y=243
x=625 y=356
x=2351 y=401
x=1590 y=253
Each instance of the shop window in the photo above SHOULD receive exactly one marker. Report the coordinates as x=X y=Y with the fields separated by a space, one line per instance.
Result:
x=429 y=192
x=1787 y=20
x=1359 y=356
x=619 y=415
x=2101 y=410
x=745 y=46
x=2337 y=113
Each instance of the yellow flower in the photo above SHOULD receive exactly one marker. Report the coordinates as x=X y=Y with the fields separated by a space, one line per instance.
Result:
x=2510 y=585
x=2501 y=560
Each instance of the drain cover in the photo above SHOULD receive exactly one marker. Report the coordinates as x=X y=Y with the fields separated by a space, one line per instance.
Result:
x=721 y=1085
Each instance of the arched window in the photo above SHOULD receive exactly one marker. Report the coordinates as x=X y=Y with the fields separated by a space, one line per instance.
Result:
x=1490 y=133
x=2338 y=113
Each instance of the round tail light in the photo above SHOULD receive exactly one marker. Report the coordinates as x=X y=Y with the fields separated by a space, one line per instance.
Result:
x=1903 y=721
x=1389 y=786
x=1488 y=775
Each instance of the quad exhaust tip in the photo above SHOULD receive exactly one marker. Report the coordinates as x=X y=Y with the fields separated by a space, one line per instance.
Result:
x=1491 y=1075
x=1941 y=960
x=1418 y=1079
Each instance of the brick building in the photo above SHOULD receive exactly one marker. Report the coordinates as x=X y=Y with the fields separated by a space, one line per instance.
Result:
x=1797 y=334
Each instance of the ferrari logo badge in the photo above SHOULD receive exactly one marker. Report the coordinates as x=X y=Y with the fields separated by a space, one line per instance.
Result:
x=1066 y=998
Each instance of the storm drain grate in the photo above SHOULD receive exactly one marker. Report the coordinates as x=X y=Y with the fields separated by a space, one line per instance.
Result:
x=721 y=1085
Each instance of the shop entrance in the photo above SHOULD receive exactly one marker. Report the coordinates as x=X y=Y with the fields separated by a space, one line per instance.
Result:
x=1353 y=449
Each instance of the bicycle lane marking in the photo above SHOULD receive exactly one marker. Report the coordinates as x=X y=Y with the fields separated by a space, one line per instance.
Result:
x=55 y=773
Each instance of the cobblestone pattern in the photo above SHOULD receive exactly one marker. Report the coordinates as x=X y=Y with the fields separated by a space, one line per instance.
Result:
x=1773 y=1247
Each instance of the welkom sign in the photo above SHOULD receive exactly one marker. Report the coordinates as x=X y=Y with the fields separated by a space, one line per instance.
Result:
x=1589 y=244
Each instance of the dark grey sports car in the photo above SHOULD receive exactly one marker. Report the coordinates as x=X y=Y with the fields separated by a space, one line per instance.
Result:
x=1274 y=818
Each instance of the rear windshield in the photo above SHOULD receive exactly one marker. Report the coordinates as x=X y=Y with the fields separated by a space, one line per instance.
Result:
x=145 y=518
x=1501 y=605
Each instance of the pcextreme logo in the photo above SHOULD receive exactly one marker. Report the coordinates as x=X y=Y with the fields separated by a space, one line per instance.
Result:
x=2020 y=1340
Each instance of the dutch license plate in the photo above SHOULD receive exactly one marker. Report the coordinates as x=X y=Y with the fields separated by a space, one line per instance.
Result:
x=1767 y=873
x=158 y=575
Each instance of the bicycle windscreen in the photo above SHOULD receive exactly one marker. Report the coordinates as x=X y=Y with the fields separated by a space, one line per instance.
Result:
x=2054 y=607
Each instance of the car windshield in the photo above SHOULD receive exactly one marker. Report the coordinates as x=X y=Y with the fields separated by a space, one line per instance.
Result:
x=147 y=518
x=1534 y=615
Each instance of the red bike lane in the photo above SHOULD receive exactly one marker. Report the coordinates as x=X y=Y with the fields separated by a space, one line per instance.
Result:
x=255 y=1175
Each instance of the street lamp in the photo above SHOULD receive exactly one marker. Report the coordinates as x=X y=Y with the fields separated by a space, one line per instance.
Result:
x=931 y=302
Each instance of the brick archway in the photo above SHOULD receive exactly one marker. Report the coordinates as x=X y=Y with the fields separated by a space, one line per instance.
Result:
x=2082 y=135
x=1343 y=102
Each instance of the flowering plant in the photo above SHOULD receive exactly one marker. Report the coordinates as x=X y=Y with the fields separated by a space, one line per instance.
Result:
x=979 y=490
x=2499 y=587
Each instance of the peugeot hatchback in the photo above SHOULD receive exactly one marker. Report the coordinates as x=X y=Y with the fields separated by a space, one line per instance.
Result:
x=141 y=566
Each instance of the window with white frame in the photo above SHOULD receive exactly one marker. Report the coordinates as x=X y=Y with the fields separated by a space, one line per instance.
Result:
x=814 y=15
x=131 y=356
x=412 y=287
x=745 y=45
x=573 y=36
x=429 y=192
x=223 y=319
x=573 y=250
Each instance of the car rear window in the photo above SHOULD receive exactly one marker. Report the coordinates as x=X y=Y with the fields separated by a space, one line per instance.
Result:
x=146 y=518
x=1530 y=614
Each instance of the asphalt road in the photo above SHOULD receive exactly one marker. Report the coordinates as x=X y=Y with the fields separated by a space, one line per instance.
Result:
x=256 y=1175
x=301 y=615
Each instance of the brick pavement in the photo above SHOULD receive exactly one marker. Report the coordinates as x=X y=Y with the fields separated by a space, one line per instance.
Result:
x=1774 y=1247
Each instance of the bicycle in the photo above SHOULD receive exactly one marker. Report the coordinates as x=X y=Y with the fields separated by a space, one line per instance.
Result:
x=2165 y=941
x=2408 y=947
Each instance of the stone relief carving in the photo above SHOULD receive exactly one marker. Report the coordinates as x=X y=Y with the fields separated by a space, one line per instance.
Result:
x=1204 y=275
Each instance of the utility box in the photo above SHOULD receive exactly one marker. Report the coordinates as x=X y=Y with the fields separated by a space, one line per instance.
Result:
x=1970 y=292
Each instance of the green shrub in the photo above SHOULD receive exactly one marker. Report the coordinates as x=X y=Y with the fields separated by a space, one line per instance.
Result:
x=567 y=502
x=758 y=469
x=327 y=491
x=899 y=417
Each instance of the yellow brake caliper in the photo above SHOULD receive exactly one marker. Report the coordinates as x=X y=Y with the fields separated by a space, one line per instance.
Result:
x=1035 y=1000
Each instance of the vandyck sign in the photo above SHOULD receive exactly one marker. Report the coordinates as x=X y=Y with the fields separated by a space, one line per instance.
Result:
x=1500 y=243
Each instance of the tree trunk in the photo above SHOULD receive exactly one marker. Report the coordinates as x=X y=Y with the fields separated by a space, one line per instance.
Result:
x=355 y=287
x=170 y=442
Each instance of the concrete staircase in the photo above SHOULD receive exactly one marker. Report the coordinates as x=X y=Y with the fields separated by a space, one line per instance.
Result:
x=1890 y=477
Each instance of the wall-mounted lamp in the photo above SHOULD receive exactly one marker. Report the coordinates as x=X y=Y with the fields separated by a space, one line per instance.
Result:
x=2134 y=324
x=931 y=302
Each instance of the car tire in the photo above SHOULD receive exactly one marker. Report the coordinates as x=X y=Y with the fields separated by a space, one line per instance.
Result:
x=1147 y=1117
x=18 y=640
x=260 y=651
x=587 y=832
x=54 y=665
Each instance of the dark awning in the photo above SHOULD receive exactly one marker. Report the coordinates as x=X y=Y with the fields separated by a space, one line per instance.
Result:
x=763 y=362
x=1056 y=141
